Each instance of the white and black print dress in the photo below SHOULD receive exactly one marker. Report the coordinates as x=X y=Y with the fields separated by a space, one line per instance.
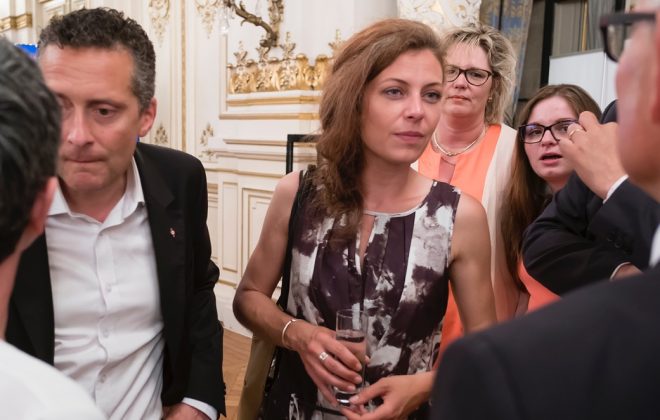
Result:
x=402 y=284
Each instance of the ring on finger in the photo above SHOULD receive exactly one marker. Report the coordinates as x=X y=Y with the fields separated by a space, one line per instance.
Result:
x=573 y=131
x=322 y=356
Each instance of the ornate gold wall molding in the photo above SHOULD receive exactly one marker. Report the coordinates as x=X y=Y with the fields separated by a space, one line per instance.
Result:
x=272 y=28
x=16 y=22
x=207 y=10
x=297 y=100
x=240 y=172
x=291 y=72
x=440 y=14
x=306 y=116
x=212 y=191
x=205 y=154
x=159 y=12
x=260 y=143
x=161 y=137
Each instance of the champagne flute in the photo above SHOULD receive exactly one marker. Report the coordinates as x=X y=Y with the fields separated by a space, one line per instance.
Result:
x=351 y=329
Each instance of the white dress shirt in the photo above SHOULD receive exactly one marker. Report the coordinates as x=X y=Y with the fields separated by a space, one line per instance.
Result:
x=655 y=248
x=614 y=187
x=33 y=390
x=611 y=191
x=108 y=323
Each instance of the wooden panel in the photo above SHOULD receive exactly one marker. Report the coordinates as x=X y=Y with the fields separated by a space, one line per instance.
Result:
x=255 y=205
x=212 y=220
x=230 y=228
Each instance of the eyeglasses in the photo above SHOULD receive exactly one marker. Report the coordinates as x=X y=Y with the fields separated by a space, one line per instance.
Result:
x=616 y=29
x=475 y=77
x=533 y=133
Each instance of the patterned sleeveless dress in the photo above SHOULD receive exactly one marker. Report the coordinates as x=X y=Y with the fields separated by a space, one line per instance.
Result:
x=402 y=285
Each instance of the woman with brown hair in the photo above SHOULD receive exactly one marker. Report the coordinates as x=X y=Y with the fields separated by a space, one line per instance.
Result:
x=471 y=147
x=538 y=171
x=374 y=234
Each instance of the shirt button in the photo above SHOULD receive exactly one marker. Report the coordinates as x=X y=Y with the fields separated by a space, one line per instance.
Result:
x=102 y=378
x=105 y=333
x=108 y=288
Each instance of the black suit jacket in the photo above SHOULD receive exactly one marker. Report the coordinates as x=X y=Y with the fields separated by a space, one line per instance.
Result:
x=174 y=186
x=578 y=239
x=592 y=355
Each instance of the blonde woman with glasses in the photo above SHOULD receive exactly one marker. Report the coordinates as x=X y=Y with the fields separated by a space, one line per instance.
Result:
x=471 y=147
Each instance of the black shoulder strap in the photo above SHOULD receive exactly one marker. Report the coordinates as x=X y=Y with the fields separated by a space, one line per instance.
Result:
x=301 y=194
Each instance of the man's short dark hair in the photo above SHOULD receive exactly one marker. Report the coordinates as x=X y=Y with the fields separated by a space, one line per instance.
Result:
x=109 y=29
x=29 y=140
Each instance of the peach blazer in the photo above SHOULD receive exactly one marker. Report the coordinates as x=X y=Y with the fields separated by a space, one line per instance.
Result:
x=481 y=172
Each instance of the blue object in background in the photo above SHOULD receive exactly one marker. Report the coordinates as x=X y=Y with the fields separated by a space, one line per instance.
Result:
x=30 y=49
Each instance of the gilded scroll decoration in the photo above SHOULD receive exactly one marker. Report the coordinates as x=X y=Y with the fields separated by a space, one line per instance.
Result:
x=336 y=43
x=272 y=28
x=441 y=14
x=208 y=10
x=159 y=12
x=206 y=154
x=160 y=138
x=16 y=22
x=290 y=72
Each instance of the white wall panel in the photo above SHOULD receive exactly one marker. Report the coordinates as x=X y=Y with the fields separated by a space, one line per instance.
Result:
x=230 y=232
x=591 y=70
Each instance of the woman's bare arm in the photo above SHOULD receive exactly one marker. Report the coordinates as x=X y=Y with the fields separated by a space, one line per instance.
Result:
x=253 y=305
x=470 y=265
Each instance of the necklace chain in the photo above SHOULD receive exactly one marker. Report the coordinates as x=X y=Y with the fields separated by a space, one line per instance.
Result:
x=436 y=143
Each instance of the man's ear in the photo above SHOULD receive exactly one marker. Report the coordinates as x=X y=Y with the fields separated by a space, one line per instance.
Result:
x=37 y=222
x=148 y=117
x=655 y=104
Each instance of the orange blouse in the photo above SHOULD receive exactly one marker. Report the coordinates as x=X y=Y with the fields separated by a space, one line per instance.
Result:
x=538 y=295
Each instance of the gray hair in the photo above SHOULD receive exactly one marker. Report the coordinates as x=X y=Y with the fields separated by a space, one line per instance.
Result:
x=29 y=140
x=501 y=58
x=108 y=29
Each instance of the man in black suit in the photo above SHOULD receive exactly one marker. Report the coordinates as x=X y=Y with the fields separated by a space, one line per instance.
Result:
x=599 y=225
x=118 y=293
x=594 y=354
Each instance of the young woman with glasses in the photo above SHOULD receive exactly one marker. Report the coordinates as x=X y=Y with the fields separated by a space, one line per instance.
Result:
x=538 y=170
x=471 y=147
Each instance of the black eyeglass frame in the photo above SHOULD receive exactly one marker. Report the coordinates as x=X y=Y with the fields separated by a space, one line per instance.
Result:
x=521 y=130
x=464 y=72
x=621 y=18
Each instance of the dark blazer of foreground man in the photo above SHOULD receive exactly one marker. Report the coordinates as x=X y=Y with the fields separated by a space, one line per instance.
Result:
x=175 y=193
x=593 y=355
x=596 y=353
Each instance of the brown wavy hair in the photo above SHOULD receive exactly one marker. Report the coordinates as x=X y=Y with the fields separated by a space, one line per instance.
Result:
x=527 y=194
x=340 y=147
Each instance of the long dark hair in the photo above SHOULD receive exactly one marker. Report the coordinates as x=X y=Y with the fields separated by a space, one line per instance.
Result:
x=527 y=194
